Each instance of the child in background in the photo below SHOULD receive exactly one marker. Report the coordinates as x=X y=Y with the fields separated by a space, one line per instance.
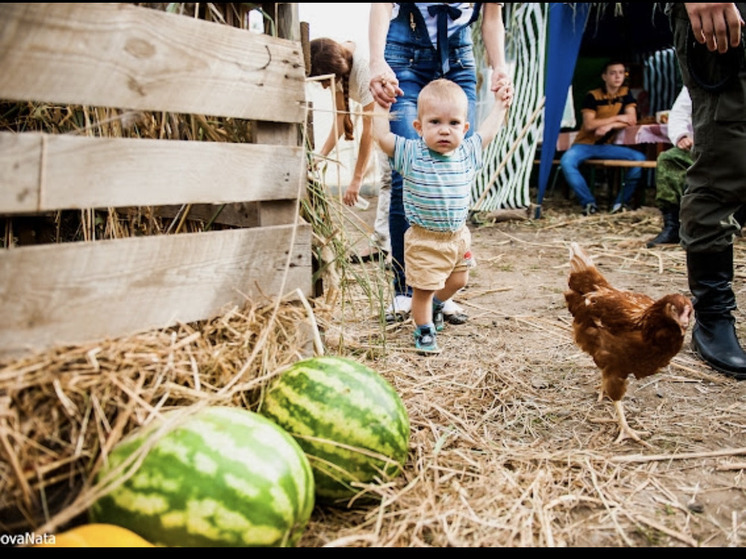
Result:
x=438 y=170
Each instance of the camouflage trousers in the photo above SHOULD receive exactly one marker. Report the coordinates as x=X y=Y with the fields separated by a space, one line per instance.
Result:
x=670 y=176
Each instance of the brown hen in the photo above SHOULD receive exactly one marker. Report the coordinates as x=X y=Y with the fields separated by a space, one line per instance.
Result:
x=625 y=333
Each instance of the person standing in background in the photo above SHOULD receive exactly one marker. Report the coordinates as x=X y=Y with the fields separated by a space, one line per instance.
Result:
x=350 y=70
x=412 y=44
x=328 y=57
x=379 y=239
x=670 y=173
x=709 y=46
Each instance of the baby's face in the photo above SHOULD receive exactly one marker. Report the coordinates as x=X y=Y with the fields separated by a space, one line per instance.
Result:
x=443 y=125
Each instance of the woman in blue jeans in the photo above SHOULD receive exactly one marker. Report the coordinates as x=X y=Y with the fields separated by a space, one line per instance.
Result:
x=412 y=44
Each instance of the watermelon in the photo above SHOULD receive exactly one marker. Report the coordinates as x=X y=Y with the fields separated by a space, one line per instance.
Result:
x=348 y=419
x=220 y=476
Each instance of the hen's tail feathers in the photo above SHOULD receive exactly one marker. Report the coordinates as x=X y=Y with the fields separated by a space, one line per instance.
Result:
x=579 y=260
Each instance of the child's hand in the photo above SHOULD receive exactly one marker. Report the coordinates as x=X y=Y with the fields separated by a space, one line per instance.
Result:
x=685 y=143
x=504 y=94
x=502 y=86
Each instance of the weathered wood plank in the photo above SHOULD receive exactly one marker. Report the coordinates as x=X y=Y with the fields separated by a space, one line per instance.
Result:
x=238 y=214
x=40 y=172
x=125 y=56
x=79 y=292
x=276 y=213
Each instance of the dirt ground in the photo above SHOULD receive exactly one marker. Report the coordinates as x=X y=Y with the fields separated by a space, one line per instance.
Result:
x=510 y=446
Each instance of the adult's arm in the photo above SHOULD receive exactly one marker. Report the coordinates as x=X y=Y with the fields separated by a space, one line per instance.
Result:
x=384 y=84
x=493 y=37
x=600 y=126
x=365 y=150
x=680 y=119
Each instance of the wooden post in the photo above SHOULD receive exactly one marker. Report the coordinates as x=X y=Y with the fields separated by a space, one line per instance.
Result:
x=287 y=24
x=288 y=21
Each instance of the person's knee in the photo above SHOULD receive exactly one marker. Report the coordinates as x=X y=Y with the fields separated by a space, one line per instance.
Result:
x=568 y=167
x=634 y=174
x=666 y=156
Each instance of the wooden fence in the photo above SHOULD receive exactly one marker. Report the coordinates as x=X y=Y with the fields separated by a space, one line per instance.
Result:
x=135 y=58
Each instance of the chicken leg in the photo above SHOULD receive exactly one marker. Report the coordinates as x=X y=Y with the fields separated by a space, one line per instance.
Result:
x=625 y=431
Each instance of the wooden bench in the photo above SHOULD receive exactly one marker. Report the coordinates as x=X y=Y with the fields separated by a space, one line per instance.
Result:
x=646 y=164
x=616 y=178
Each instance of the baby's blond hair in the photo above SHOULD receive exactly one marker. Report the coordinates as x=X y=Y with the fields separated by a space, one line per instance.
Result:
x=442 y=90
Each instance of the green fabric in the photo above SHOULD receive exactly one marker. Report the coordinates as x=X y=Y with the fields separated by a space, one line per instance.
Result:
x=670 y=176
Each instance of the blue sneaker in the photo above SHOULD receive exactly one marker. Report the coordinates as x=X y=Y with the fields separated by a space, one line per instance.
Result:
x=424 y=340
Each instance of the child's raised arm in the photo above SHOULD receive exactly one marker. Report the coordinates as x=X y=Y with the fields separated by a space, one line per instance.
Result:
x=382 y=130
x=491 y=125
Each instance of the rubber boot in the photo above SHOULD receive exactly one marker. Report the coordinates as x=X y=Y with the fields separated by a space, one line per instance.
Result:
x=740 y=216
x=669 y=235
x=714 y=337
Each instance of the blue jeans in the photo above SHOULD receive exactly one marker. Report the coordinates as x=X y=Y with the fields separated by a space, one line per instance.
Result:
x=573 y=157
x=415 y=63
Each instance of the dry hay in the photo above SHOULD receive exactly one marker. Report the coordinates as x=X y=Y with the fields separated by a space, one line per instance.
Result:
x=508 y=448
x=63 y=410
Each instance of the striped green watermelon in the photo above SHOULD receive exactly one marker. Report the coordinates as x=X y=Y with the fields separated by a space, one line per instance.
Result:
x=348 y=419
x=222 y=476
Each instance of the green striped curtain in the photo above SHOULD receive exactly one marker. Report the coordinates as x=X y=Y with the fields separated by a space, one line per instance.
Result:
x=504 y=179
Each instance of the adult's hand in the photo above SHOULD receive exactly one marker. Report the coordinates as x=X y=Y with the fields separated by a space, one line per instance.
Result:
x=601 y=131
x=384 y=84
x=716 y=24
x=502 y=86
x=351 y=193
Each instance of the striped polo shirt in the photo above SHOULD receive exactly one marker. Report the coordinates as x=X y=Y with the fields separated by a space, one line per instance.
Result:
x=437 y=188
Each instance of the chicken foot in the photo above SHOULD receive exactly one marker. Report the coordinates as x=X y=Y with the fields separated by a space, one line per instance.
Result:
x=625 y=431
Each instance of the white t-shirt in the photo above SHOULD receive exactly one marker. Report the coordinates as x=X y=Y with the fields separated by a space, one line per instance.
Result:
x=360 y=80
x=466 y=8
x=680 y=117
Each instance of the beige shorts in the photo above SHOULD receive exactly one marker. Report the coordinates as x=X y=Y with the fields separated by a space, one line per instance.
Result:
x=430 y=257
